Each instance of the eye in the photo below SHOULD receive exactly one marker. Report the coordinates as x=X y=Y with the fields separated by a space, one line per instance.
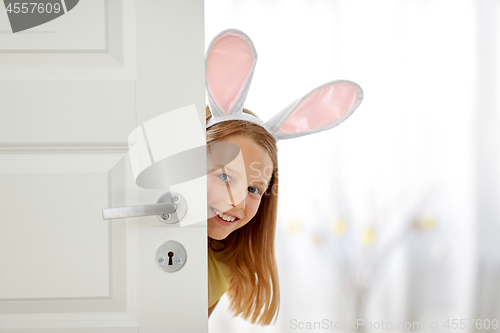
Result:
x=254 y=190
x=224 y=177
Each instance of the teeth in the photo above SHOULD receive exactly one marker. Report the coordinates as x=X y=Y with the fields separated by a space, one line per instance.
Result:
x=224 y=216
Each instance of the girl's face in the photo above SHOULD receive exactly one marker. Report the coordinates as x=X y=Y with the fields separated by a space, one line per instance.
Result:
x=234 y=192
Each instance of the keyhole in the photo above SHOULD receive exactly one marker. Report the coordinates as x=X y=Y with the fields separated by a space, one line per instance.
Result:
x=170 y=255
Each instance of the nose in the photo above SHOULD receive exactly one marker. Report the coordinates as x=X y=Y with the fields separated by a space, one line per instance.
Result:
x=238 y=197
x=240 y=204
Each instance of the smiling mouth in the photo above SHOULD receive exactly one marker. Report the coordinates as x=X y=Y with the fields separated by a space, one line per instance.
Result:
x=224 y=217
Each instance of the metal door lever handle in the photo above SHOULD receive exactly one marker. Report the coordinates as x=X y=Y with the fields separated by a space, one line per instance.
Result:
x=135 y=211
x=170 y=207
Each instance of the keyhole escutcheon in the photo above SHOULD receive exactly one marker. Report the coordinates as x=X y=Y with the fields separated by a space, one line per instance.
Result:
x=170 y=256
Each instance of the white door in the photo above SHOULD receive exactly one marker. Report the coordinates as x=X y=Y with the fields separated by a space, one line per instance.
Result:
x=71 y=92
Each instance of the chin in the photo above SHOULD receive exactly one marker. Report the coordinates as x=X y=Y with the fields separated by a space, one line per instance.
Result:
x=215 y=234
x=217 y=237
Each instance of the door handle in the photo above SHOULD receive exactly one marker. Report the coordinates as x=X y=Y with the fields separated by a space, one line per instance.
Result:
x=135 y=211
x=170 y=207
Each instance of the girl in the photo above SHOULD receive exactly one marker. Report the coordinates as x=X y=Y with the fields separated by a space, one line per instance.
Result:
x=242 y=183
x=241 y=252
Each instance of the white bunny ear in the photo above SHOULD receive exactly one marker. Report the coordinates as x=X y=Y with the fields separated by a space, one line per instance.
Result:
x=323 y=108
x=230 y=63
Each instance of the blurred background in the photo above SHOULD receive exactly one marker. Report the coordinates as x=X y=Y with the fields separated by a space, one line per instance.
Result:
x=394 y=214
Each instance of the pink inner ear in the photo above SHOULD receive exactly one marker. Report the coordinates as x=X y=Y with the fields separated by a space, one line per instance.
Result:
x=321 y=108
x=229 y=64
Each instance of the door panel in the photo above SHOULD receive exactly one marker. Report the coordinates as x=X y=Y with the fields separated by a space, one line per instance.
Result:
x=63 y=111
x=69 y=102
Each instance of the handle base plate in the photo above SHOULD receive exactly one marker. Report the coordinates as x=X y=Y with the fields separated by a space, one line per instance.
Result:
x=179 y=201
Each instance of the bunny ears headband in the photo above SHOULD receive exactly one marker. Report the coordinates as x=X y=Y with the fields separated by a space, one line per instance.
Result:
x=230 y=63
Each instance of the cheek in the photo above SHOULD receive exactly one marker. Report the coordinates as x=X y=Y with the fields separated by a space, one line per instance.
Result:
x=253 y=207
x=212 y=190
x=216 y=192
